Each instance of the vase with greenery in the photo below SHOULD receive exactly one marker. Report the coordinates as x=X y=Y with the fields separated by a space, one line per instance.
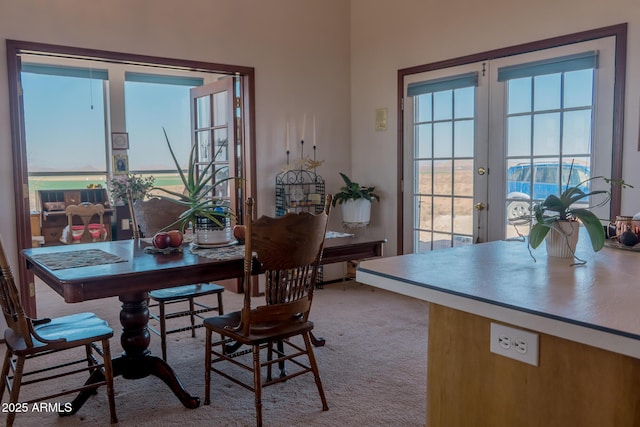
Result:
x=355 y=200
x=556 y=219
x=199 y=182
x=137 y=184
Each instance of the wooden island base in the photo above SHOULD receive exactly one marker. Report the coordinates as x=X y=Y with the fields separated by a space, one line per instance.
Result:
x=573 y=385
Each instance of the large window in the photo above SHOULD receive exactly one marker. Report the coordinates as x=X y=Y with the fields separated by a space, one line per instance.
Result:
x=152 y=103
x=64 y=109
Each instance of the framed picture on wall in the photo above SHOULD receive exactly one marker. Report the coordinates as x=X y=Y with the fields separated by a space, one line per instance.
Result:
x=120 y=164
x=119 y=140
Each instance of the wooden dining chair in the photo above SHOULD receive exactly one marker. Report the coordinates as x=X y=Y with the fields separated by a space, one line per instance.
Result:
x=88 y=231
x=148 y=217
x=288 y=251
x=27 y=338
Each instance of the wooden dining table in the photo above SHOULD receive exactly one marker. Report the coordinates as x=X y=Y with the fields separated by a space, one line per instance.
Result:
x=128 y=270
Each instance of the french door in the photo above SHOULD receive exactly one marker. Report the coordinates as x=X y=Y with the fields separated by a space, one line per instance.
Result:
x=215 y=131
x=484 y=141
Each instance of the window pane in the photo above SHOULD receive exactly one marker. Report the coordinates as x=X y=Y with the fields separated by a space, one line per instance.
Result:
x=463 y=215
x=443 y=144
x=442 y=178
x=464 y=102
x=519 y=136
x=423 y=108
x=442 y=105
x=463 y=178
x=463 y=140
x=423 y=175
x=220 y=113
x=576 y=135
x=578 y=88
x=546 y=134
x=423 y=216
x=221 y=145
x=423 y=141
x=442 y=214
x=519 y=95
x=66 y=121
x=546 y=92
x=204 y=146
x=204 y=112
x=150 y=107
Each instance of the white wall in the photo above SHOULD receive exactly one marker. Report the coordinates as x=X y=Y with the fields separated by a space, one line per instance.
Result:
x=387 y=36
x=299 y=49
x=332 y=58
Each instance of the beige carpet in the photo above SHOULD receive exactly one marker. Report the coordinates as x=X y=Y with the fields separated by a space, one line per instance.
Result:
x=373 y=369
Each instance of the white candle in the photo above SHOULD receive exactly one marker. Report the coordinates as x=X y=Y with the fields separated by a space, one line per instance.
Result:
x=314 y=131
x=286 y=135
x=304 y=122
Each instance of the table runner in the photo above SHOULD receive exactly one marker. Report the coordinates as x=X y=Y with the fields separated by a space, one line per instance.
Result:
x=221 y=253
x=235 y=251
x=80 y=258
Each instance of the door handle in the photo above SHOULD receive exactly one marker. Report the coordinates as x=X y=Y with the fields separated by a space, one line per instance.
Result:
x=479 y=206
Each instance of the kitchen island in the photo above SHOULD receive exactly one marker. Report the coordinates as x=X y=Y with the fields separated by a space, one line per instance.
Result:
x=586 y=318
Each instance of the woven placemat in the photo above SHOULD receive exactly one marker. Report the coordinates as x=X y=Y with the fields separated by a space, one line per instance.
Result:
x=81 y=258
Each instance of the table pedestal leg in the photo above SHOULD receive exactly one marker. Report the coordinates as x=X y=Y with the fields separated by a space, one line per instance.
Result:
x=136 y=361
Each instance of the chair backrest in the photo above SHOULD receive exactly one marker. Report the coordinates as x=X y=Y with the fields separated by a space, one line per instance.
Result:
x=288 y=250
x=10 y=300
x=87 y=232
x=152 y=215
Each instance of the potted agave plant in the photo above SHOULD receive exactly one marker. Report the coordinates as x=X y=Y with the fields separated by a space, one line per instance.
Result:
x=355 y=200
x=210 y=217
x=556 y=220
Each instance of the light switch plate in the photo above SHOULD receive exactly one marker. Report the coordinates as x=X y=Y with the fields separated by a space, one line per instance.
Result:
x=381 y=118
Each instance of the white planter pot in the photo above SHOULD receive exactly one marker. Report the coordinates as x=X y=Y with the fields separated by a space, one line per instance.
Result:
x=356 y=213
x=562 y=244
x=214 y=236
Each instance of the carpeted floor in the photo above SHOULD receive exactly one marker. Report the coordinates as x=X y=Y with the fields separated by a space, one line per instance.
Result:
x=373 y=368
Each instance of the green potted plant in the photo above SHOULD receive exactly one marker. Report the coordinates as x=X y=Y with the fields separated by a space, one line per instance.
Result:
x=210 y=217
x=556 y=219
x=355 y=201
x=137 y=184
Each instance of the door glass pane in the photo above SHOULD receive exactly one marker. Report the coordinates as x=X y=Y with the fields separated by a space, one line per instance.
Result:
x=463 y=105
x=519 y=136
x=576 y=133
x=203 y=117
x=443 y=105
x=546 y=134
x=443 y=159
x=546 y=92
x=424 y=212
x=561 y=140
x=204 y=145
x=519 y=96
x=442 y=177
x=463 y=138
x=423 y=110
x=442 y=139
x=220 y=113
x=423 y=140
x=221 y=146
x=463 y=178
x=424 y=177
x=578 y=89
